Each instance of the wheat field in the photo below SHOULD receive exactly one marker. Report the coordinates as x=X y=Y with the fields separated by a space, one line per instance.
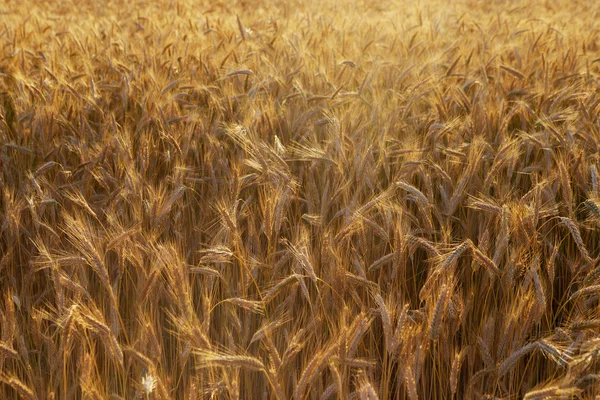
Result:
x=299 y=200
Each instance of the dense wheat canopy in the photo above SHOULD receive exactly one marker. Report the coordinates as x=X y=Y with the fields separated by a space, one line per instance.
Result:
x=299 y=199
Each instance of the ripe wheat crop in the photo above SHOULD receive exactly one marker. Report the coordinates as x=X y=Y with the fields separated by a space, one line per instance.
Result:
x=299 y=199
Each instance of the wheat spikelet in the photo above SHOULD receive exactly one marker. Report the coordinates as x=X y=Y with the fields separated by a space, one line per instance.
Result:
x=356 y=363
x=80 y=237
x=294 y=347
x=486 y=261
x=417 y=194
x=513 y=72
x=593 y=207
x=574 y=229
x=454 y=255
x=337 y=378
x=273 y=352
x=394 y=345
x=510 y=362
x=588 y=324
x=312 y=369
x=265 y=330
x=360 y=281
x=565 y=187
x=537 y=283
x=302 y=258
x=46 y=166
x=80 y=200
x=444 y=268
x=484 y=351
x=21 y=388
x=411 y=383
x=455 y=370
x=554 y=353
x=385 y=318
x=217 y=254
x=503 y=239
x=118 y=239
x=7 y=351
x=359 y=326
x=74 y=286
x=594 y=289
x=367 y=392
x=381 y=261
x=487 y=205
x=329 y=391
x=229 y=361
x=431 y=249
x=254 y=306
x=438 y=313
x=272 y=292
x=551 y=392
x=148 y=363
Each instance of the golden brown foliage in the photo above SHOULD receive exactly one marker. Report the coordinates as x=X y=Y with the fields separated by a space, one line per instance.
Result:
x=374 y=200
